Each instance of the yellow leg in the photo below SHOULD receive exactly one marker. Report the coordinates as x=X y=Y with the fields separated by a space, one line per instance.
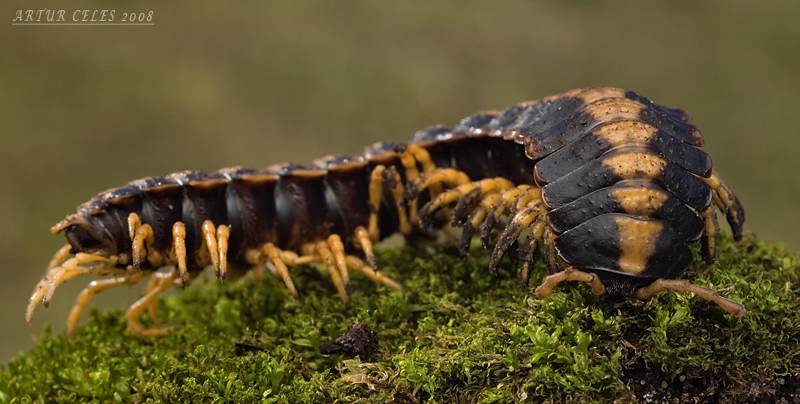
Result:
x=447 y=176
x=292 y=259
x=409 y=165
x=683 y=285
x=210 y=238
x=727 y=202
x=457 y=193
x=60 y=256
x=550 y=253
x=388 y=176
x=472 y=193
x=569 y=274
x=63 y=276
x=179 y=246
x=392 y=177
x=133 y=224
x=406 y=208
x=524 y=199
x=142 y=243
x=487 y=203
x=362 y=236
x=281 y=260
x=708 y=241
x=442 y=176
x=375 y=196
x=536 y=233
x=521 y=192
x=274 y=255
x=358 y=265
x=337 y=248
x=412 y=155
x=135 y=311
x=489 y=186
x=70 y=268
x=475 y=219
x=223 y=234
x=421 y=156
x=216 y=242
x=515 y=226
x=139 y=250
x=152 y=308
x=328 y=259
x=96 y=287
x=330 y=253
x=486 y=193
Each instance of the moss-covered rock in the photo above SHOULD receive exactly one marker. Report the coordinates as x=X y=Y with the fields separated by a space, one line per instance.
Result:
x=455 y=334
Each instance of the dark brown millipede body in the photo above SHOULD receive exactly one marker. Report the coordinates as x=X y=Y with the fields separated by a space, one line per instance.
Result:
x=612 y=185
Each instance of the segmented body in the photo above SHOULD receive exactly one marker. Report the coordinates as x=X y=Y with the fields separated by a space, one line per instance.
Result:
x=611 y=183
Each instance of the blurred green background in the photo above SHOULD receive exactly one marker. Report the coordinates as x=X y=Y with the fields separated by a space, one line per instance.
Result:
x=86 y=108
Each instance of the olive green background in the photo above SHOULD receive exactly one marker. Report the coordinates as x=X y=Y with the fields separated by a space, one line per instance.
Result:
x=87 y=108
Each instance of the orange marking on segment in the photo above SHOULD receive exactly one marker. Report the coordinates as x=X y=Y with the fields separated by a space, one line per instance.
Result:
x=591 y=95
x=626 y=132
x=637 y=240
x=635 y=165
x=607 y=109
x=640 y=201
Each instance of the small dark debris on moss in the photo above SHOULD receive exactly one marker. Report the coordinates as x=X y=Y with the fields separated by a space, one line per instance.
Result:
x=361 y=341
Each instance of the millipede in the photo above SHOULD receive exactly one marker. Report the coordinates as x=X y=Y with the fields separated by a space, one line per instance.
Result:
x=609 y=186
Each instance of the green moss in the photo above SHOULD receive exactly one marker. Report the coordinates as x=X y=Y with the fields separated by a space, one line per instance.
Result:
x=455 y=334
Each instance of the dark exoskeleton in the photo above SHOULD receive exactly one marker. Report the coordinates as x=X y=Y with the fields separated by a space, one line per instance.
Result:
x=609 y=183
x=619 y=192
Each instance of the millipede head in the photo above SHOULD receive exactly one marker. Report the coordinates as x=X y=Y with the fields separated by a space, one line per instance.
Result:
x=83 y=237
